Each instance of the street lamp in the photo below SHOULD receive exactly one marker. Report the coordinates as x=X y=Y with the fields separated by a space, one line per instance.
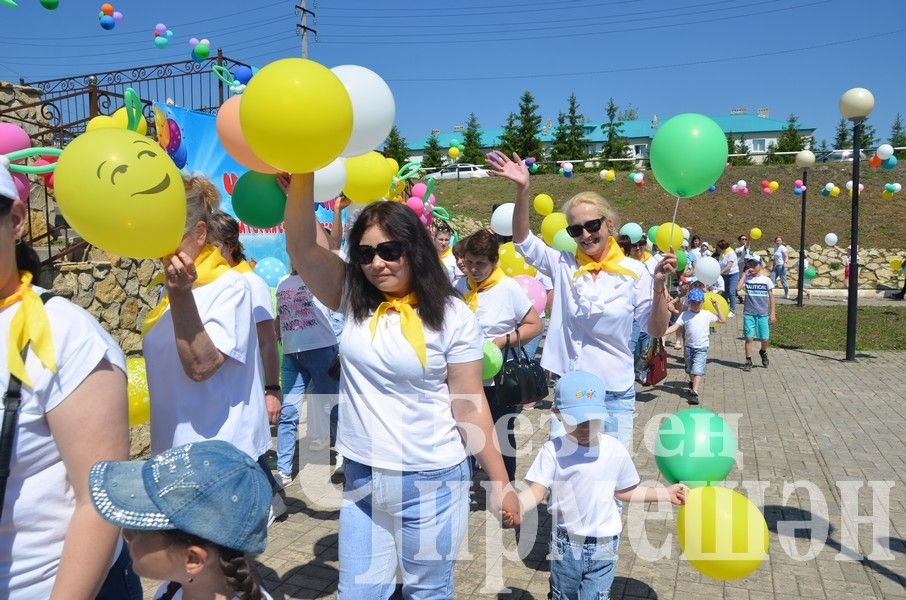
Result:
x=804 y=160
x=855 y=105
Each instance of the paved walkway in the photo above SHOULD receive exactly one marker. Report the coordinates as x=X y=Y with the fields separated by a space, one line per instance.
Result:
x=810 y=418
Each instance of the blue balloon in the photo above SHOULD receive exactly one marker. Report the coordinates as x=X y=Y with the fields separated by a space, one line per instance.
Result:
x=889 y=163
x=633 y=230
x=825 y=192
x=567 y=174
x=107 y=22
x=271 y=270
x=242 y=74
x=180 y=155
x=712 y=189
x=797 y=191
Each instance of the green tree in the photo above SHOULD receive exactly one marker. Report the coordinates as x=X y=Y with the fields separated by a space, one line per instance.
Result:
x=615 y=146
x=630 y=113
x=527 y=142
x=509 y=139
x=575 y=131
x=790 y=140
x=869 y=137
x=737 y=147
x=843 y=135
x=432 y=158
x=822 y=149
x=771 y=157
x=560 y=144
x=898 y=136
x=395 y=147
x=471 y=139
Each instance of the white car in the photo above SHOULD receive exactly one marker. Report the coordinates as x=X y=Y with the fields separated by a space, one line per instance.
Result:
x=458 y=172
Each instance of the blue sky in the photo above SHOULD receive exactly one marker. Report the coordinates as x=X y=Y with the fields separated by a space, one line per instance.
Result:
x=446 y=59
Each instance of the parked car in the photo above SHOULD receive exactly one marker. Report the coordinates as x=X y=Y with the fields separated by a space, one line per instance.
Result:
x=458 y=172
x=841 y=156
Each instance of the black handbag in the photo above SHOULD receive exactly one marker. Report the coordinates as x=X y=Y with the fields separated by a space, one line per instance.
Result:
x=521 y=380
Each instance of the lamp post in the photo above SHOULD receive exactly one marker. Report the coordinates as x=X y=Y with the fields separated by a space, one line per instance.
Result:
x=855 y=105
x=804 y=160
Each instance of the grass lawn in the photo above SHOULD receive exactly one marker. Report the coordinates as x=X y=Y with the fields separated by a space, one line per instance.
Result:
x=824 y=328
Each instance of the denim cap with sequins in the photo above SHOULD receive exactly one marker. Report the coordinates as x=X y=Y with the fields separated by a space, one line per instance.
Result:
x=579 y=396
x=209 y=489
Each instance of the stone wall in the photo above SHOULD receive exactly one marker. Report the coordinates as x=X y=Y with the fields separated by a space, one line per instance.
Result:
x=874 y=267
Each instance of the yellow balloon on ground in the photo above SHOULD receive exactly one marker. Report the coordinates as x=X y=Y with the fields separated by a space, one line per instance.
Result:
x=296 y=115
x=724 y=306
x=835 y=191
x=896 y=264
x=512 y=263
x=137 y=387
x=544 y=204
x=755 y=233
x=367 y=177
x=774 y=185
x=453 y=152
x=722 y=533
x=121 y=117
x=122 y=193
x=551 y=224
x=101 y=122
x=669 y=237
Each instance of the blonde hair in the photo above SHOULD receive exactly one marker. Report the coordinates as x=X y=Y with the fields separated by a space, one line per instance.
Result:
x=594 y=199
x=202 y=199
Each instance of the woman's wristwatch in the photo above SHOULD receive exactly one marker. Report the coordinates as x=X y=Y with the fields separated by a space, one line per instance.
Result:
x=272 y=388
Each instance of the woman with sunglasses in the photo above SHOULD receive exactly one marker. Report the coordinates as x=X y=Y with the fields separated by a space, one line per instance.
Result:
x=598 y=292
x=412 y=405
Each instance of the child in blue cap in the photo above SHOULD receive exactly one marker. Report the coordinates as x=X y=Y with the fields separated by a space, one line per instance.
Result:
x=696 y=324
x=191 y=516
x=586 y=472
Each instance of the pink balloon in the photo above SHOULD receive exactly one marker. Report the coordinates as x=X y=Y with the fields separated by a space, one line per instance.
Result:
x=417 y=206
x=419 y=189
x=745 y=191
x=22 y=187
x=175 y=136
x=12 y=138
x=118 y=17
x=798 y=183
x=423 y=219
x=432 y=200
x=534 y=290
x=766 y=190
x=734 y=188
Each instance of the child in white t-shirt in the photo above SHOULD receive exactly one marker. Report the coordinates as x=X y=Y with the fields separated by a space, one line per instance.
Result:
x=696 y=325
x=586 y=471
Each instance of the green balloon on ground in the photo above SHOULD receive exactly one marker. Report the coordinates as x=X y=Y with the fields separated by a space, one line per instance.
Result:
x=695 y=446
x=493 y=360
x=682 y=259
x=563 y=242
x=688 y=154
x=810 y=273
x=652 y=233
x=258 y=200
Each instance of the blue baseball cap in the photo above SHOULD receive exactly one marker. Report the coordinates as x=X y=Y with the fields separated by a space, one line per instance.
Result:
x=209 y=489
x=696 y=295
x=579 y=396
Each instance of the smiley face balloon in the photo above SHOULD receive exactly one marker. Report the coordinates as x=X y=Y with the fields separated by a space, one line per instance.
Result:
x=122 y=193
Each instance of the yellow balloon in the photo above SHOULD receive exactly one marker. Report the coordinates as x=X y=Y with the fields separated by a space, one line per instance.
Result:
x=296 y=115
x=122 y=193
x=544 y=205
x=512 y=263
x=551 y=224
x=122 y=121
x=835 y=192
x=101 y=122
x=162 y=128
x=367 y=177
x=774 y=186
x=669 y=237
x=896 y=264
x=137 y=387
x=453 y=152
x=724 y=307
x=393 y=166
x=755 y=233
x=722 y=533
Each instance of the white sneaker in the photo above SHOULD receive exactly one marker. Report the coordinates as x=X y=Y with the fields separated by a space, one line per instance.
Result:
x=339 y=469
x=731 y=314
x=277 y=510
x=285 y=479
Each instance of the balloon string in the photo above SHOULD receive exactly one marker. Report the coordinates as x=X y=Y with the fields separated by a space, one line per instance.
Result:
x=224 y=75
x=28 y=152
x=673 y=222
x=133 y=109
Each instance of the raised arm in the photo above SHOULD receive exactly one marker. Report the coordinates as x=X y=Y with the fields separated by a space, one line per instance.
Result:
x=516 y=171
x=322 y=270
x=336 y=231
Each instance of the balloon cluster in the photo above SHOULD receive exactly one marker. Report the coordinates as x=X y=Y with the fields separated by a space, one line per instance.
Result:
x=897 y=264
x=883 y=157
x=162 y=36
x=456 y=148
x=201 y=49
x=890 y=189
x=532 y=164
x=638 y=178
x=769 y=187
x=831 y=239
x=830 y=189
x=108 y=17
x=566 y=169
x=241 y=77
x=740 y=187
x=422 y=202
x=798 y=187
x=849 y=188
x=608 y=175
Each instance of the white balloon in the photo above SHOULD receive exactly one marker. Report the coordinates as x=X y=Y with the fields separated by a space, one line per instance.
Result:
x=568 y=167
x=685 y=233
x=830 y=239
x=849 y=185
x=897 y=187
x=741 y=183
x=707 y=270
x=884 y=151
x=502 y=219
x=329 y=180
x=373 y=108
x=603 y=174
x=829 y=186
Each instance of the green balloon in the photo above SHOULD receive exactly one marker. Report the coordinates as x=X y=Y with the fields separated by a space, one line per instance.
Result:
x=695 y=446
x=493 y=360
x=652 y=231
x=50 y=4
x=454 y=142
x=633 y=230
x=682 y=259
x=258 y=201
x=688 y=154
x=563 y=242
x=810 y=273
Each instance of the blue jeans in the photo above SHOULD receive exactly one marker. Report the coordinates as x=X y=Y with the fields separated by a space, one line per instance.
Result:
x=121 y=583
x=620 y=407
x=302 y=372
x=696 y=359
x=531 y=347
x=411 y=520
x=780 y=271
x=730 y=282
x=640 y=344
x=582 y=568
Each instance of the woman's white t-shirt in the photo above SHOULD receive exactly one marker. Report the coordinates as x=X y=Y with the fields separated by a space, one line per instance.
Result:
x=178 y=595
x=39 y=497
x=591 y=318
x=393 y=413
x=305 y=323
x=780 y=254
x=262 y=302
x=725 y=259
x=227 y=406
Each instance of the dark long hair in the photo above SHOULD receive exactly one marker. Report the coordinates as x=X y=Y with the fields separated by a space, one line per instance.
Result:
x=224 y=229
x=236 y=567
x=429 y=281
x=26 y=258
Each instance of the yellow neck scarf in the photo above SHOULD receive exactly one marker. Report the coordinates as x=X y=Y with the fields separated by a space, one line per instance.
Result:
x=243 y=267
x=493 y=279
x=609 y=263
x=410 y=322
x=445 y=253
x=209 y=265
x=645 y=256
x=30 y=326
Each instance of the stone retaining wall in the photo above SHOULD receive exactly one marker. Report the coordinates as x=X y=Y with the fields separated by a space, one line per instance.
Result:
x=874 y=267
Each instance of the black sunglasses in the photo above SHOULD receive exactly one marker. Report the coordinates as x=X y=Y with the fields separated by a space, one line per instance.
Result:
x=592 y=226
x=388 y=251
x=640 y=245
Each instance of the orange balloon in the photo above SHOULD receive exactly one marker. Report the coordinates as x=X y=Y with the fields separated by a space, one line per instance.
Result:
x=875 y=161
x=107 y=9
x=230 y=133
